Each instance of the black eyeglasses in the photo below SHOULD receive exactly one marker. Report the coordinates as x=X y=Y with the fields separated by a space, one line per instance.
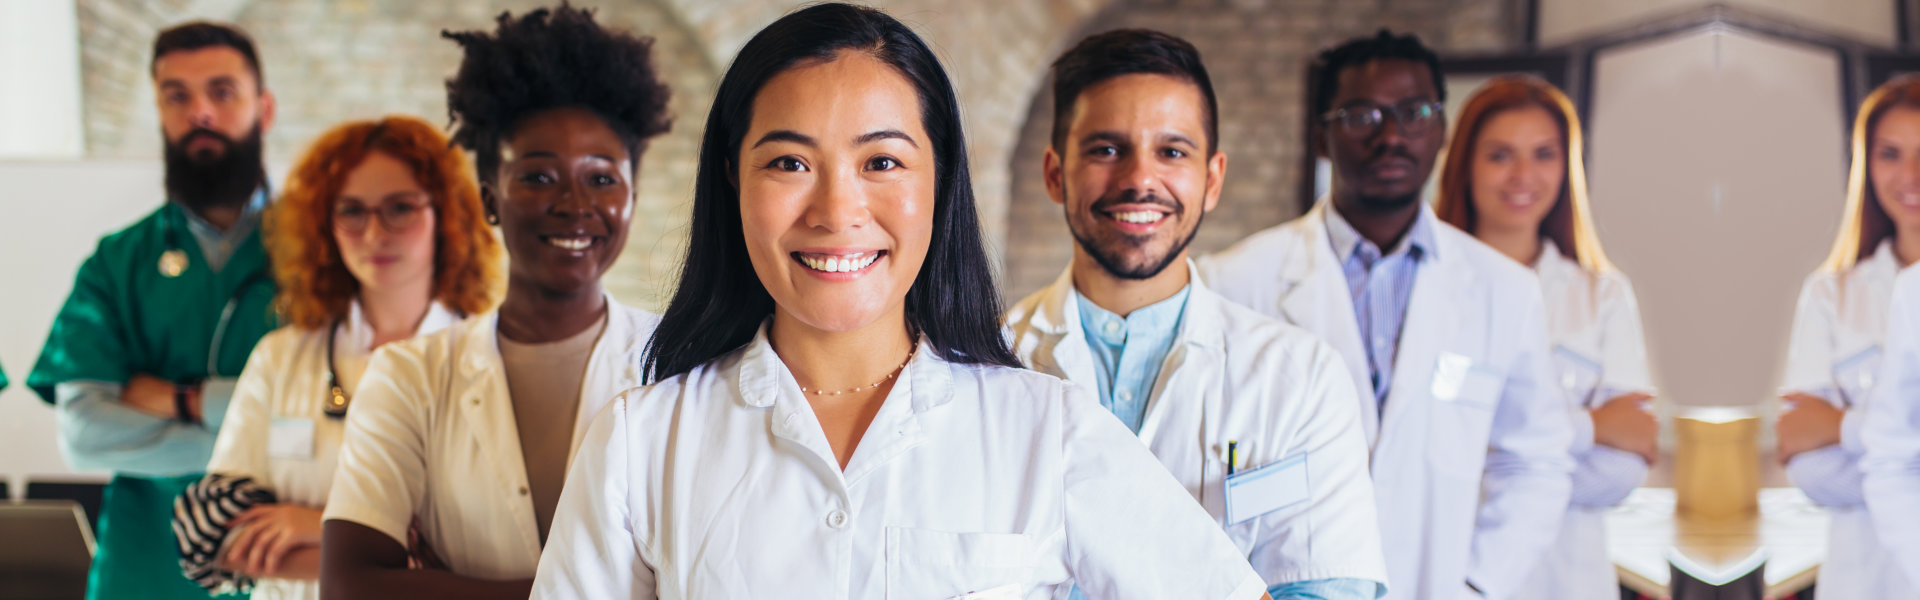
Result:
x=396 y=214
x=1414 y=116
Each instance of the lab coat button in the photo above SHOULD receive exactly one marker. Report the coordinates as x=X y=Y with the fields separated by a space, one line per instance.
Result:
x=837 y=519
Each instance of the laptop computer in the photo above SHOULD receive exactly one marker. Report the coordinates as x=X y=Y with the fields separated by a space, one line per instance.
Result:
x=46 y=547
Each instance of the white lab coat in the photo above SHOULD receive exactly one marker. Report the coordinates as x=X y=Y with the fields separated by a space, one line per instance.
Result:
x=1836 y=353
x=1601 y=353
x=971 y=482
x=1273 y=388
x=281 y=397
x=431 y=435
x=1473 y=409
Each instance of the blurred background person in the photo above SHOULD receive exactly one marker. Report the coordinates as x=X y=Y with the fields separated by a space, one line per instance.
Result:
x=378 y=236
x=1514 y=178
x=1834 y=359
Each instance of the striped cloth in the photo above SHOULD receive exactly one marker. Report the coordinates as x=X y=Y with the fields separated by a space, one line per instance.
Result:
x=200 y=519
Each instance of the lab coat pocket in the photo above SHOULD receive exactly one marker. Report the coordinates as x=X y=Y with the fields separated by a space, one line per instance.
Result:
x=1855 y=371
x=1579 y=374
x=923 y=564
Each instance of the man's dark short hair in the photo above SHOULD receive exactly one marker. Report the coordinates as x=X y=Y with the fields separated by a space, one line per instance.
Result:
x=203 y=34
x=1105 y=56
x=1359 y=51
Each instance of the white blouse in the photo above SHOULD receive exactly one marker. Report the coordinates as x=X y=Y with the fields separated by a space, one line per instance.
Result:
x=971 y=482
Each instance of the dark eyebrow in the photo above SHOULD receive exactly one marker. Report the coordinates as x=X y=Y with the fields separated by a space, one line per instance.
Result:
x=556 y=156
x=784 y=135
x=1111 y=137
x=1175 y=138
x=885 y=134
x=226 y=80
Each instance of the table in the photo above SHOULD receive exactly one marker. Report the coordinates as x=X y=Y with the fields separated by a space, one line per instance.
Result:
x=1645 y=536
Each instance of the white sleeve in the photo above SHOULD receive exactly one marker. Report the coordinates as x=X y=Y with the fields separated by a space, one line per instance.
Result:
x=1810 y=347
x=1623 y=351
x=241 y=448
x=1527 y=481
x=1892 y=436
x=381 y=479
x=1339 y=520
x=593 y=548
x=1132 y=530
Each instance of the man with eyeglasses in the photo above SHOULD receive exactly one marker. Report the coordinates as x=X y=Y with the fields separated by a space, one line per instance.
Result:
x=143 y=357
x=1445 y=336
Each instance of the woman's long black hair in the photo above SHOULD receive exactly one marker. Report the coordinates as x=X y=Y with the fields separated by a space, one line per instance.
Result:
x=721 y=303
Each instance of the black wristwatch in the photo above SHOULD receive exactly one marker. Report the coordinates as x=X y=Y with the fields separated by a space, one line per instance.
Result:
x=182 y=404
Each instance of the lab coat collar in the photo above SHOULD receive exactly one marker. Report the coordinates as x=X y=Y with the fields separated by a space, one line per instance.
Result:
x=1058 y=313
x=764 y=379
x=356 y=332
x=481 y=347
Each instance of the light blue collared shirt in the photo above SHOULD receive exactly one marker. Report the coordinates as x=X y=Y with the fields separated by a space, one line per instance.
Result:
x=1128 y=353
x=1381 y=284
x=217 y=246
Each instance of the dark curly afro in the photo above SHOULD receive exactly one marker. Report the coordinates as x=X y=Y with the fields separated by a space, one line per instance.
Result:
x=546 y=59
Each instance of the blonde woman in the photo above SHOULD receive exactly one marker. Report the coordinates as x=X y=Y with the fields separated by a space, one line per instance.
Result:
x=1514 y=179
x=1838 y=330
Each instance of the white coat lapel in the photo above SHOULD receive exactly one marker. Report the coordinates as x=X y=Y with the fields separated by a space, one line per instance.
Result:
x=480 y=394
x=1438 y=320
x=1061 y=345
x=1193 y=363
x=1317 y=299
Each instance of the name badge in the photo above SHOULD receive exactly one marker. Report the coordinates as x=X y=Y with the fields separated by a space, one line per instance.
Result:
x=1457 y=379
x=290 y=438
x=1855 y=375
x=1267 y=489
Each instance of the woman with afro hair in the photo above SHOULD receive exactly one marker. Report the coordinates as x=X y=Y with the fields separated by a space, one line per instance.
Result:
x=458 y=442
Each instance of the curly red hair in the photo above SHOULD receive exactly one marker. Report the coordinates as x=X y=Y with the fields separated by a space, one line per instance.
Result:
x=316 y=289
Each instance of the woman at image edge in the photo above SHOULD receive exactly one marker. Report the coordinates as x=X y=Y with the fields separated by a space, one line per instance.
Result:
x=1514 y=178
x=835 y=414
x=1835 y=354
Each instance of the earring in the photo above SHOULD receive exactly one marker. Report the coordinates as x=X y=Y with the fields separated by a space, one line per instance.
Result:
x=493 y=219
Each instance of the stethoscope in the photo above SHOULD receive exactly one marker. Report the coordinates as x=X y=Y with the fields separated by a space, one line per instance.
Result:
x=174 y=262
x=337 y=398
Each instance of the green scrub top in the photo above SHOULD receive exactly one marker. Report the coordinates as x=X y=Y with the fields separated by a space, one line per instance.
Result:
x=129 y=313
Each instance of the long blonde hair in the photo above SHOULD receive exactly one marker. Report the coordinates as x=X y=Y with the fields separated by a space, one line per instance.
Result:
x=1570 y=223
x=1865 y=224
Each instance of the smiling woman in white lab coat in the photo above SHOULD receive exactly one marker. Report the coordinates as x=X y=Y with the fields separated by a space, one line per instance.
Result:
x=1514 y=178
x=1836 y=346
x=466 y=433
x=378 y=237
x=834 y=413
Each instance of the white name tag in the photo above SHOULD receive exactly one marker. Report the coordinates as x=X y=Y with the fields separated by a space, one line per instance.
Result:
x=1456 y=378
x=290 y=438
x=1267 y=489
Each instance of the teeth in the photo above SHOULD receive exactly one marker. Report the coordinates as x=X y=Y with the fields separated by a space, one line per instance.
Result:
x=840 y=264
x=571 y=243
x=1138 y=216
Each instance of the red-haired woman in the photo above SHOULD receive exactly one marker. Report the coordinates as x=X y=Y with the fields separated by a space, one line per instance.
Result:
x=380 y=236
x=1515 y=179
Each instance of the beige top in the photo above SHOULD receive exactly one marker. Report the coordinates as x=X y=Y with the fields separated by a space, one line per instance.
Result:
x=544 y=382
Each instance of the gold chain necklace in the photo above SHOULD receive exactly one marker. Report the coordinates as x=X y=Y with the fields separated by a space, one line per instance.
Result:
x=890 y=375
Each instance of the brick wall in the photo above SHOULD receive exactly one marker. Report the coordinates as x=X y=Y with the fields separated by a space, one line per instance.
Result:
x=332 y=60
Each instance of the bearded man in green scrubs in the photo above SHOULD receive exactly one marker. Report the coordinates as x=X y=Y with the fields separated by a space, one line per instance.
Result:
x=142 y=357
